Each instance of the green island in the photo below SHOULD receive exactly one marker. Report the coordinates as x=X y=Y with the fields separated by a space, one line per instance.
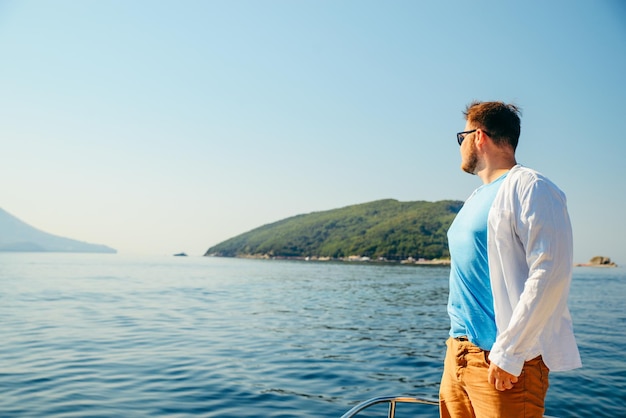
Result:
x=383 y=230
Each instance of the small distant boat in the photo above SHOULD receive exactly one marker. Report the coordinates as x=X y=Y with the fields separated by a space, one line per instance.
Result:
x=180 y=255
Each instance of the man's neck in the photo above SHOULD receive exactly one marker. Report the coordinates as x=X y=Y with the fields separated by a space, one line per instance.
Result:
x=489 y=174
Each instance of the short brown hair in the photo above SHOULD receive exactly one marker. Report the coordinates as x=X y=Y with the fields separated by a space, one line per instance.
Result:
x=500 y=120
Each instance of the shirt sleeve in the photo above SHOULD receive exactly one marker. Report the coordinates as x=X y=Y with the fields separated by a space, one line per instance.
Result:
x=541 y=224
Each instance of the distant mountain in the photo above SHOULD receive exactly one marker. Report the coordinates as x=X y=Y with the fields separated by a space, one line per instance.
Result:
x=386 y=229
x=18 y=236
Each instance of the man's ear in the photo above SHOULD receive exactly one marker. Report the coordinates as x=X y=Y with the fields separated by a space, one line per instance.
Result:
x=480 y=138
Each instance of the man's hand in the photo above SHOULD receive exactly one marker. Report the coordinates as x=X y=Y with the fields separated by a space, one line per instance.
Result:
x=500 y=379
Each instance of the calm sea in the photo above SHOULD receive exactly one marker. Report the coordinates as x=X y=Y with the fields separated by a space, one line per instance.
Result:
x=113 y=335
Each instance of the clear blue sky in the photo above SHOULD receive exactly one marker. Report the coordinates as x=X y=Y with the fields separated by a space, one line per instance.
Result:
x=163 y=126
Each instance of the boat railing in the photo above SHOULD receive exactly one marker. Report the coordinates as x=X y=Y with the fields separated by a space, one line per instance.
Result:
x=391 y=400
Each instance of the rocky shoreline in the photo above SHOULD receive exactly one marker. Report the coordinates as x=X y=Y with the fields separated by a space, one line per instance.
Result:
x=598 y=261
x=350 y=259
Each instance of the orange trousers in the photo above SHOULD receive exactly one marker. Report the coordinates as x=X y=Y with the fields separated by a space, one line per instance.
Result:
x=466 y=393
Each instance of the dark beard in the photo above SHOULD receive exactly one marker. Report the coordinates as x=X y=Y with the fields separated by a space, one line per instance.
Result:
x=469 y=166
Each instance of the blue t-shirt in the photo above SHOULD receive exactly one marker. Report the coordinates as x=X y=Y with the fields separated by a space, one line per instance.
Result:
x=470 y=303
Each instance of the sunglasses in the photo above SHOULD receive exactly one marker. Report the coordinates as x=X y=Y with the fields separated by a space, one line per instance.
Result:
x=461 y=135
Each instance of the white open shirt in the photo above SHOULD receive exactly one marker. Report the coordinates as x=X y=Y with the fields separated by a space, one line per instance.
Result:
x=530 y=247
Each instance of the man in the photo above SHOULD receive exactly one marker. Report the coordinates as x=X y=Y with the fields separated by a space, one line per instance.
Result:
x=511 y=268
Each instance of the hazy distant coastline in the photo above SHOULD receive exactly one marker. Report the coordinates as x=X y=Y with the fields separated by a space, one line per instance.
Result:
x=18 y=236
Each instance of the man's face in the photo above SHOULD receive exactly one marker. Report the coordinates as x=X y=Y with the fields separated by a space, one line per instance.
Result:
x=469 y=154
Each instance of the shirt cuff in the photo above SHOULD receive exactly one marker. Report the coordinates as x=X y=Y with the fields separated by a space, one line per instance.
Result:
x=507 y=362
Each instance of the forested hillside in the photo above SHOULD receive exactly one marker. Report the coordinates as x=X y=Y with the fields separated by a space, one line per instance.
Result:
x=386 y=229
